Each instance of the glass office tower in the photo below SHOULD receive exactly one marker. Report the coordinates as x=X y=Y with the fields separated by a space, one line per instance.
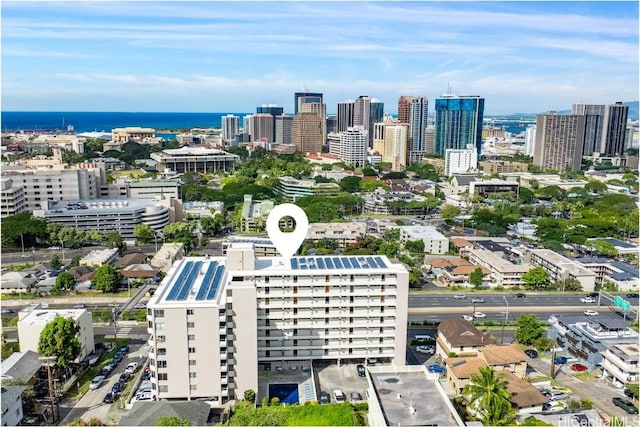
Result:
x=458 y=122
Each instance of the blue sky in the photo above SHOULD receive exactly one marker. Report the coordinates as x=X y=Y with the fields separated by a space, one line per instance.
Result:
x=233 y=56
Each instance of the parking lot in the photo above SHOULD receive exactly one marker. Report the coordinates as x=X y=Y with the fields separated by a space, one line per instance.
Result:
x=344 y=377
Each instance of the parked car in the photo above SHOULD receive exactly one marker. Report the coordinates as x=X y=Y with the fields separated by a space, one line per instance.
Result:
x=325 y=397
x=146 y=375
x=119 y=386
x=557 y=395
x=124 y=348
x=125 y=376
x=633 y=295
x=106 y=370
x=519 y=295
x=355 y=397
x=578 y=367
x=338 y=396
x=477 y=300
x=110 y=397
x=459 y=296
x=467 y=317
x=625 y=405
x=361 y=370
x=531 y=353
x=146 y=396
x=587 y=300
x=479 y=314
x=131 y=367
x=554 y=406
x=590 y=313
x=95 y=382
x=426 y=349
x=435 y=368
x=560 y=360
x=26 y=255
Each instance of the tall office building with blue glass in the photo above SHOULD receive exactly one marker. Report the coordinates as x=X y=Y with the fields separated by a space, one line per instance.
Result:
x=458 y=122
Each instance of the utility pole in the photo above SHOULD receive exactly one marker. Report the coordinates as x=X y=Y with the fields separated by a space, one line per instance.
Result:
x=115 y=327
x=49 y=361
x=506 y=320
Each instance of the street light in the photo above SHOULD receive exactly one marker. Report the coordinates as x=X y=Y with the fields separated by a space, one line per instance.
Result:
x=506 y=319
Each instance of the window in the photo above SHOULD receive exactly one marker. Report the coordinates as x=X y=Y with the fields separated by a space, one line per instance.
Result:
x=266 y=280
x=295 y=352
x=189 y=311
x=326 y=310
x=326 y=300
x=192 y=374
x=159 y=313
x=266 y=301
x=295 y=289
x=295 y=300
x=163 y=376
x=382 y=278
x=191 y=324
x=295 y=321
x=159 y=326
x=327 y=288
x=381 y=309
x=295 y=342
x=162 y=351
x=351 y=309
x=295 y=279
x=161 y=339
x=163 y=388
x=266 y=291
x=381 y=298
x=352 y=288
x=191 y=337
x=192 y=349
x=295 y=310
x=192 y=362
x=267 y=353
x=193 y=387
x=162 y=363
x=352 y=278
x=326 y=278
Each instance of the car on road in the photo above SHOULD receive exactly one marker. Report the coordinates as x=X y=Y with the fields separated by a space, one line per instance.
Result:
x=519 y=295
x=106 y=370
x=531 y=353
x=479 y=314
x=459 y=296
x=355 y=397
x=95 y=382
x=560 y=360
x=124 y=349
x=426 y=349
x=625 y=405
x=338 y=396
x=578 y=367
x=54 y=248
x=477 y=300
x=467 y=317
x=6 y=311
x=633 y=295
x=588 y=300
x=553 y=395
x=125 y=376
x=554 y=406
x=325 y=397
x=590 y=313
x=435 y=368
x=25 y=256
x=118 y=387
x=361 y=370
x=110 y=397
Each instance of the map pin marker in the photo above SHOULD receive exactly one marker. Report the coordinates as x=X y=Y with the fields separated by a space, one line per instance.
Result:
x=287 y=243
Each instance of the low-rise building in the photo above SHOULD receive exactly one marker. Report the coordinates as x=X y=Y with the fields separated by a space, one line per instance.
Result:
x=456 y=335
x=262 y=246
x=382 y=202
x=16 y=282
x=560 y=268
x=484 y=188
x=22 y=367
x=99 y=257
x=203 y=209
x=292 y=189
x=253 y=216
x=167 y=255
x=623 y=275
x=194 y=159
x=32 y=323
x=159 y=190
x=503 y=272
x=12 y=405
x=434 y=241
x=344 y=233
x=620 y=361
x=12 y=199
x=133 y=133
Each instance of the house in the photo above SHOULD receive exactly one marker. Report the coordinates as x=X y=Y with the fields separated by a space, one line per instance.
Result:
x=22 y=366
x=462 y=246
x=129 y=259
x=459 y=336
x=509 y=358
x=12 y=405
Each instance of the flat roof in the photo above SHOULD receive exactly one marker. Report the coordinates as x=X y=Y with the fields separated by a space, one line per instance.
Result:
x=397 y=392
x=42 y=317
x=564 y=262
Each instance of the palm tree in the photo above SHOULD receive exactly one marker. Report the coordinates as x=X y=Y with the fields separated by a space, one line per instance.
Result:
x=489 y=399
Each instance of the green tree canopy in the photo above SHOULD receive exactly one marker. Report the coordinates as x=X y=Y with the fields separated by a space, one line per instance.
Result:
x=414 y=245
x=475 y=278
x=114 y=240
x=350 y=184
x=55 y=262
x=449 y=212
x=536 y=278
x=529 y=329
x=59 y=338
x=106 y=279
x=144 y=233
x=594 y=186
x=489 y=400
x=172 y=421
x=250 y=395
x=22 y=226
x=65 y=281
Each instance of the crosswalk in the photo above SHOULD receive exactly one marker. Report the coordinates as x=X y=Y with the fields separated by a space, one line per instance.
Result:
x=124 y=331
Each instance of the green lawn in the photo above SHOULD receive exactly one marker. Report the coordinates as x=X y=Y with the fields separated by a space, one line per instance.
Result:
x=299 y=415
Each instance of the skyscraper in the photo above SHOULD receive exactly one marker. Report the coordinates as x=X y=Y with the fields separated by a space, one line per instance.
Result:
x=306 y=133
x=304 y=98
x=376 y=114
x=345 y=115
x=390 y=142
x=230 y=128
x=459 y=122
x=262 y=127
x=284 y=125
x=321 y=111
x=559 y=140
x=275 y=111
x=594 y=117
x=615 y=129
x=353 y=146
x=418 y=117
x=362 y=112
x=404 y=106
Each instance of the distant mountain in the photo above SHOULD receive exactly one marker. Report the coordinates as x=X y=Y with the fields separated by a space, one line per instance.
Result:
x=633 y=112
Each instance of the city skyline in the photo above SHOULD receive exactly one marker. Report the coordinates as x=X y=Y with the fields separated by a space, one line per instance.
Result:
x=527 y=57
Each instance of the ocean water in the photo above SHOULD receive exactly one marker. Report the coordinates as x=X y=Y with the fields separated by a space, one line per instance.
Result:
x=105 y=121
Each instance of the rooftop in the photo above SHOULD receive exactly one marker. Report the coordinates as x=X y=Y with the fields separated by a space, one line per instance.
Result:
x=42 y=317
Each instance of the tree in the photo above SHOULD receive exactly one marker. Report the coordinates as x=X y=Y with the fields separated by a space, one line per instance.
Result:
x=414 y=245
x=250 y=395
x=75 y=261
x=65 y=281
x=106 y=279
x=55 y=261
x=59 y=338
x=489 y=399
x=172 y=421
x=543 y=343
x=114 y=240
x=596 y=187
x=536 y=278
x=449 y=212
x=529 y=329
x=604 y=247
x=475 y=278
x=350 y=184
x=144 y=233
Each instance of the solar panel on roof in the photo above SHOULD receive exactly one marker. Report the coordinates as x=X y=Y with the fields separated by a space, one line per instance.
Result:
x=178 y=283
x=206 y=282
x=354 y=263
x=371 y=263
x=611 y=323
x=329 y=263
x=188 y=283
x=379 y=261
x=321 y=263
x=215 y=282
x=294 y=263
x=336 y=262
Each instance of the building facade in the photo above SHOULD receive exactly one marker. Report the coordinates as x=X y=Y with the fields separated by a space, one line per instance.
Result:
x=458 y=122
x=345 y=115
x=292 y=189
x=12 y=200
x=418 y=119
x=559 y=140
x=460 y=161
x=321 y=111
x=230 y=129
x=353 y=146
x=404 y=109
x=300 y=98
x=434 y=241
x=284 y=125
x=615 y=130
x=215 y=322
x=194 y=159
x=306 y=133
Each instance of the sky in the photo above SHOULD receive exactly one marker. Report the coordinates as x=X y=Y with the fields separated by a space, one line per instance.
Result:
x=232 y=56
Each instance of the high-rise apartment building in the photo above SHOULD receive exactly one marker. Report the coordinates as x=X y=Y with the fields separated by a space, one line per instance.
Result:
x=353 y=146
x=345 y=115
x=460 y=161
x=304 y=98
x=615 y=129
x=418 y=119
x=376 y=114
x=262 y=127
x=404 y=107
x=216 y=322
x=230 y=128
x=593 y=126
x=390 y=142
x=284 y=124
x=246 y=127
x=362 y=112
x=530 y=140
x=275 y=111
x=559 y=140
x=458 y=122
x=321 y=111
x=306 y=133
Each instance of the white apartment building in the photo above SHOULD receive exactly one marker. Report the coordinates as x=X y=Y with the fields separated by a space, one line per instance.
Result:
x=620 y=361
x=561 y=268
x=345 y=233
x=434 y=241
x=67 y=142
x=503 y=272
x=460 y=161
x=215 y=322
x=32 y=323
x=230 y=128
x=353 y=146
x=12 y=199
